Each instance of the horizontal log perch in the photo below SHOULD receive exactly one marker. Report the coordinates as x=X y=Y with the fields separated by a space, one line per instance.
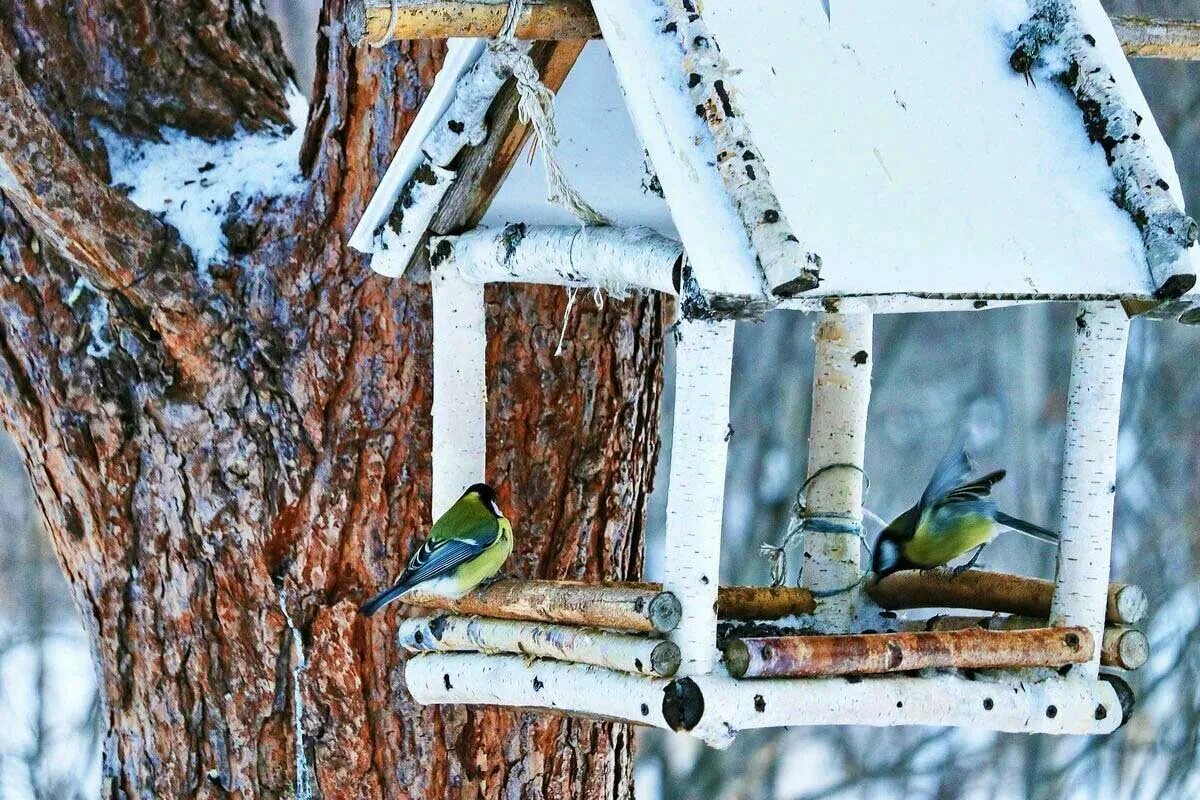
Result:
x=624 y=652
x=1143 y=37
x=714 y=708
x=763 y=602
x=1122 y=647
x=994 y=591
x=879 y=653
x=372 y=21
x=641 y=608
x=612 y=258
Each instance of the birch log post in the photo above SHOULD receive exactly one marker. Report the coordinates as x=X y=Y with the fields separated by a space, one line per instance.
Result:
x=459 y=388
x=837 y=436
x=877 y=653
x=714 y=708
x=1122 y=648
x=615 y=259
x=1090 y=468
x=641 y=608
x=1144 y=37
x=695 y=498
x=994 y=591
x=624 y=652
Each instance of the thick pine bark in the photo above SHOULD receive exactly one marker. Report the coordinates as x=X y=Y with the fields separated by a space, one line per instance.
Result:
x=265 y=440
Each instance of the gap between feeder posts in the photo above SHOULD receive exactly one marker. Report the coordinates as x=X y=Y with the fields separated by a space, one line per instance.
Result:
x=983 y=590
x=877 y=653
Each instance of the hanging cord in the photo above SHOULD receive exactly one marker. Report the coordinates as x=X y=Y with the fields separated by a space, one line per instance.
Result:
x=393 y=20
x=535 y=105
x=802 y=524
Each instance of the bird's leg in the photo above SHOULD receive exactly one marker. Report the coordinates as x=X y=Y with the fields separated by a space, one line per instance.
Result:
x=959 y=570
x=499 y=576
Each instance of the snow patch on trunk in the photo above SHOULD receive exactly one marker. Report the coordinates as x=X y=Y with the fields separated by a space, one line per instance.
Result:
x=189 y=182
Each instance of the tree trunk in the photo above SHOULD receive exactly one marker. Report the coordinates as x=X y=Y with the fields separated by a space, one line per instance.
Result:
x=250 y=457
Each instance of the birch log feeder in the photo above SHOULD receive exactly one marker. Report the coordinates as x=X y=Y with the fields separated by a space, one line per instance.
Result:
x=877 y=653
x=624 y=652
x=982 y=590
x=1122 y=648
x=629 y=607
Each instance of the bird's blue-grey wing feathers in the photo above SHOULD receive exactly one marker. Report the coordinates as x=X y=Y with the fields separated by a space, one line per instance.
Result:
x=436 y=558
x=950 y=472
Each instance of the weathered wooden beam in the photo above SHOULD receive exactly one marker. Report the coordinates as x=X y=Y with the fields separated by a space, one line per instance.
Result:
x=626 y=607
x=763 y=602
x=369 y=20
x=878 y=653
x=1122 y=648
x=640 y=655
x=994 y=591
x=1145 y=37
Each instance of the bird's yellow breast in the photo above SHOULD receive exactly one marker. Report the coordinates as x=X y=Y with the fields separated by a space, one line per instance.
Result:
x=940 y=542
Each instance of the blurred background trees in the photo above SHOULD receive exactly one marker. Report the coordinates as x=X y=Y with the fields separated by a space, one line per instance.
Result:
x=1003 y=373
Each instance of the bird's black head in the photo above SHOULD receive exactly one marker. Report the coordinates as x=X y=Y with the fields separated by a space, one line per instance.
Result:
x=487 y=495
x=887 y=557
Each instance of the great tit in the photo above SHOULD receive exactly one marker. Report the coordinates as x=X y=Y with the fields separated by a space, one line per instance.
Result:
x=953 y=516
x=466 y=546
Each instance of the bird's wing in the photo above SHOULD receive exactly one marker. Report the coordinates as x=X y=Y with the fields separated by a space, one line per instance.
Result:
x=951 y=471
x=977 y=489
x=437 y=557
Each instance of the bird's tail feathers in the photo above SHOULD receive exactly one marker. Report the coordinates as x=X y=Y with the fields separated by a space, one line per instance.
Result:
x=382 y=599
x=1027 y=528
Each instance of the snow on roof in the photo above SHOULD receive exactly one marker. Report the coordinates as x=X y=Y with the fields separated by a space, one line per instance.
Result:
x=902 y=146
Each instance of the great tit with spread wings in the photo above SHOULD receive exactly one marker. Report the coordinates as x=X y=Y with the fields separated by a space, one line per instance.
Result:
x=954 y=516
x=467 y=545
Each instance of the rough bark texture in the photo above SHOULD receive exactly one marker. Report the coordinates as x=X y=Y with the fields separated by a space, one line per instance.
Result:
x=262 y=444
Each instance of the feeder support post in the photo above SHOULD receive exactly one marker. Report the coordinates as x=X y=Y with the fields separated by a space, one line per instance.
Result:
x=704 y=359
x=459 y=387
x=837 y=435
x=1090 y=470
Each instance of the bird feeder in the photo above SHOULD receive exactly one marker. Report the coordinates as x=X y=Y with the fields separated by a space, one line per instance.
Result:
x=754 y=158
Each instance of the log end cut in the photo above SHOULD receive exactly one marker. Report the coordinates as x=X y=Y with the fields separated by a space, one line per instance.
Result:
x=683 y=704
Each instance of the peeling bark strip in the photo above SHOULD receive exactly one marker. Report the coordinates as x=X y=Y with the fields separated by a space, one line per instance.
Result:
x=1053 y=42
x=714 y=708
x=763 y=602
x=836 y=445
x=1144 y=37
x=614 y=259
x=627 y=653
x=877 y=653
x=1089 y=477
x=628 y=607
x=994 y=591
x=789 y=268
x=463 y=124
x=375 y=22
x=1122 y=647
x=695 y=503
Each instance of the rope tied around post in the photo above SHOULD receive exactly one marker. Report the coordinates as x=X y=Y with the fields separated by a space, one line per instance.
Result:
x=802 y=523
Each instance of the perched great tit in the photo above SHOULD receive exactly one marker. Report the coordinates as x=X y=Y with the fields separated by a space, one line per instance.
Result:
x=953 y=516
x=466 y=546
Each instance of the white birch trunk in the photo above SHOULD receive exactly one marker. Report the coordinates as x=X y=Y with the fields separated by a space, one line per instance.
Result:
x=704 y=360
x=459 y=387
x=715 y=708
x=624 y=652
x=1090 y=470
x=614 y=259
x=900 y=303
x=837 y=435
x=649 y=63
